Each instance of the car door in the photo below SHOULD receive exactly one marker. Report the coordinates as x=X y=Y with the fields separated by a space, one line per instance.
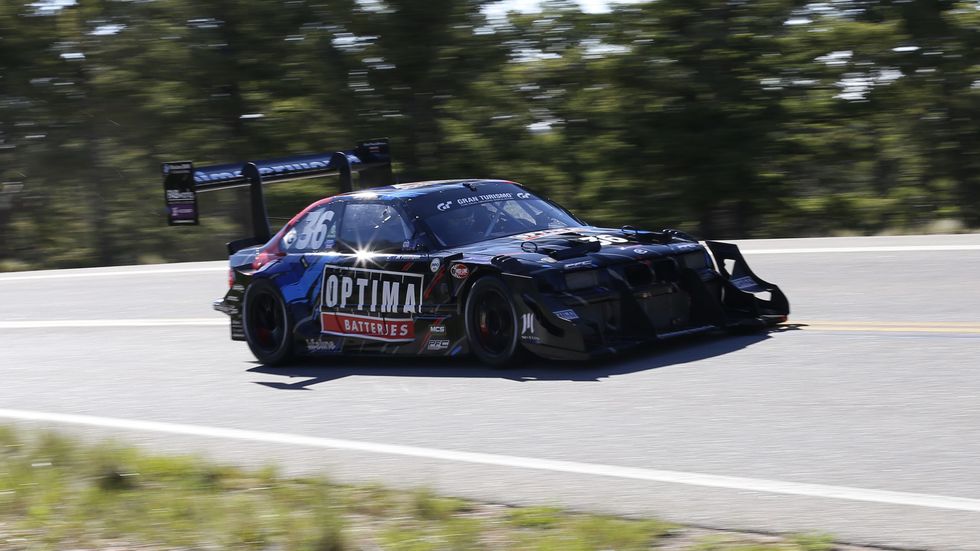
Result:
x=375 y=290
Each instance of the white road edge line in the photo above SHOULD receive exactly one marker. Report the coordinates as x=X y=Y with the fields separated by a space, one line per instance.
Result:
x=162 y=322
x=58 y=274
x=652 y=475
x=896 y=249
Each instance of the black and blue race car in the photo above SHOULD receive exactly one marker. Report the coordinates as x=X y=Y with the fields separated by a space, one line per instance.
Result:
x=474 y=266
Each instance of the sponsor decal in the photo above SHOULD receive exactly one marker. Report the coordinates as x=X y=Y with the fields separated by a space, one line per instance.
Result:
x=424 y=183
x=289 y=238
x=543 y=233
x=317 y=346
x=460 y=271
x=438 y=344
x=175 y=195
x=641 y=251
x=435 y=265
x=179 y=193
x=445 y=206
x=567 y=315
x=477 y=199
x=603 y=239
x=265 y=170
x=183 y=214
x=578 y=265
x=413 y=185
x=523 y=195
x=370 y=304
x=176 y=167
x=527 y=329
x=437 y=329
x=527 y=324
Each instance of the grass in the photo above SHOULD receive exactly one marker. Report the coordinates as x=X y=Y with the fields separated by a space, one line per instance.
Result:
x=58 y=494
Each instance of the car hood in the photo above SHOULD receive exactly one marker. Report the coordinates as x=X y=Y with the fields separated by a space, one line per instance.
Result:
x=584 y=247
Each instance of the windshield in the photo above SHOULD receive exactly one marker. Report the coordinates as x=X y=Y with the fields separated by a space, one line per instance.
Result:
x=464 y=224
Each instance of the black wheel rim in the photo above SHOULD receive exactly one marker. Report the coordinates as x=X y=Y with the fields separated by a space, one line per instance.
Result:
x=493 y=322
x=266 y=324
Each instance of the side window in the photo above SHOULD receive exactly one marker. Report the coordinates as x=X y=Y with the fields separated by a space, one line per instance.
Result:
x=374 y=227
x=316 y=231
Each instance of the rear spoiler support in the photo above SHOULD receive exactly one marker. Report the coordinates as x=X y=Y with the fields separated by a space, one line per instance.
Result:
x=260 y=215
x=371 y=160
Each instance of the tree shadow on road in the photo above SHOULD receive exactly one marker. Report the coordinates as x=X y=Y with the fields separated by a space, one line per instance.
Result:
x=314 y=371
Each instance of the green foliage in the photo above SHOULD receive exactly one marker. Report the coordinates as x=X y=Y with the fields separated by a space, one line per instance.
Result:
x=745 y=119
x=814 y=542
x=428 y=506
x=372 y=500
x=534 y=517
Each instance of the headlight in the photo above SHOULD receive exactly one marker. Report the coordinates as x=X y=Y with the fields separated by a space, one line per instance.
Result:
x=586 y=279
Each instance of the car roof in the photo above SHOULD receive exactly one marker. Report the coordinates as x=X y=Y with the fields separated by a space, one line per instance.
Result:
x=409 y=190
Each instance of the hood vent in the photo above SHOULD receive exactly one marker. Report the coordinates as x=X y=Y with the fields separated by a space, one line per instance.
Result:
x=572 y=249
x=650 y=237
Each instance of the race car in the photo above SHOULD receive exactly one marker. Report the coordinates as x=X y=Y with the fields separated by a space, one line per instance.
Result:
x=451 y=267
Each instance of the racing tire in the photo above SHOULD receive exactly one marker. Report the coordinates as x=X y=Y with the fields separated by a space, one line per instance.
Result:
x=492 y=323
x=267 y=323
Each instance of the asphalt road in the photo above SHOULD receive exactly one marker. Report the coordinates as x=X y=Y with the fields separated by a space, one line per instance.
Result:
x=860 y=418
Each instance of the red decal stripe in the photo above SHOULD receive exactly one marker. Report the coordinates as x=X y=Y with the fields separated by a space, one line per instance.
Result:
x=435 y=280
x=397 y=330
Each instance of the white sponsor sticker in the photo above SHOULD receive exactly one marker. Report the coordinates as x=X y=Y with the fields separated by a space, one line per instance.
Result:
x=567 y=315
x=438 y=344
x=542 y=233
x=317 y=346
x=603 y=239
x=527 y=324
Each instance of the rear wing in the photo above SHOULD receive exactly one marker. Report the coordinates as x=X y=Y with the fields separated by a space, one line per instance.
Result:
x=182 y=182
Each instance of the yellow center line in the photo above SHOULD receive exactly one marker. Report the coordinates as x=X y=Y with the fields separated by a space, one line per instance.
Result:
x=963 y=327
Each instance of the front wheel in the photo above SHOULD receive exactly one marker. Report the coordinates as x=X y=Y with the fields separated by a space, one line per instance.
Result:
x=491 y=323
x=267 y=323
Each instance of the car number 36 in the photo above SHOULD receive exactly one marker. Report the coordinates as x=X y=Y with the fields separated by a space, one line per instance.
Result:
x=314 y=230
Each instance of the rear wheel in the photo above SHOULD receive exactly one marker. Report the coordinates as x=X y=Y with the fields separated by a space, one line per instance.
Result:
x=491 y=323
x=267 y=323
